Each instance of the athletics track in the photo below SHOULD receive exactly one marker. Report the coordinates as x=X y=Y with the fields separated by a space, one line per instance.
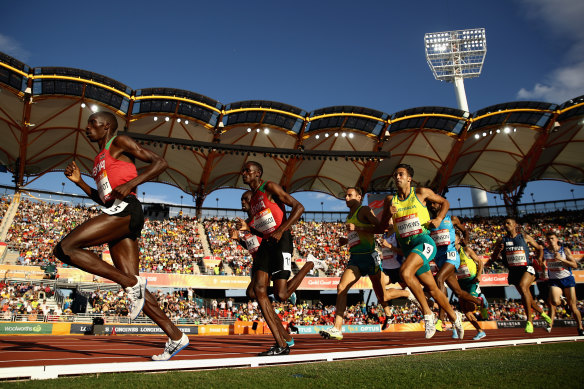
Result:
x=51 y=356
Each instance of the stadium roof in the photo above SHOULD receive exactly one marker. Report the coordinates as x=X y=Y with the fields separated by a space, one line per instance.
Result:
x=44 y=110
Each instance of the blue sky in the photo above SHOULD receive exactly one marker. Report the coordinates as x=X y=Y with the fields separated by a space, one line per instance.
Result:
x=307 y=54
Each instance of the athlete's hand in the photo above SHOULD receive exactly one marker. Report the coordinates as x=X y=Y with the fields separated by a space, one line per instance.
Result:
x=121 y=191
x=276 y=235
x=434 y=223
x=350 y=227
x=72 y=172
x=241 y=225
x=234 y=234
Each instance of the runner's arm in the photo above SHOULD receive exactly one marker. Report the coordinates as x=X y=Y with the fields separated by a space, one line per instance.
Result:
x=73 y=173
x=295 y=213
x=472 y=255
x=461 y=227
x=123 y=145
x=570 y=260
x=426 y=194
x=530 y=241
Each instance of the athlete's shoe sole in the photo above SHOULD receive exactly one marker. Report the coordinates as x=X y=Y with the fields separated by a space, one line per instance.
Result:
x=458 y=325
x=330 y=335
x=275 y=350
x=479 y=336
x=172 y=348
x=137 y=297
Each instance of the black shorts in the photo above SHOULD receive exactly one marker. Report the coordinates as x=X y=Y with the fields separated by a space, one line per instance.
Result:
x=516 y=274
x=134 y=210
x=393 y=275
x=274 y=257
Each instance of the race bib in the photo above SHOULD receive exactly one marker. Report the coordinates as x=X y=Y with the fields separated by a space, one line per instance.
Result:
x=441 y=237
x=376 y=258
x=408 y=225
x=117 y=207
x=252 y=243
x=516 y=258
x=451 y=256
x=353 y=238
x=287 y=261
x=428 y=250
x=387 y=254
x=556 y=266
x=264 y=222
x=463 y=272
x=103 y=186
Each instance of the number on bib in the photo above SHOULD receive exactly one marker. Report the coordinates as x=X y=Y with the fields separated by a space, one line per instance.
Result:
x=287 y=261
x=428 y=250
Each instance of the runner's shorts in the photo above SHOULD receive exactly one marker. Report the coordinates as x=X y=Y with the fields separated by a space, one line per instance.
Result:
x=425 y=247
x=566 y=282
x=275 y=258
x=516 y=274
x=134 y=210
x=448 y=257
x=469 y=285
x=393 y=275
x=368 y=263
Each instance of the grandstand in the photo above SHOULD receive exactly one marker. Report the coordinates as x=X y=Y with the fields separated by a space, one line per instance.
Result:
x=498 y=148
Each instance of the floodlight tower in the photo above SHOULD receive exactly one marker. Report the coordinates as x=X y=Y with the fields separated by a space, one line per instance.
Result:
x=454 y=56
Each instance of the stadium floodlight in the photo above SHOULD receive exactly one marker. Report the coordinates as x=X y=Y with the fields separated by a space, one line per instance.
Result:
x=456 y=55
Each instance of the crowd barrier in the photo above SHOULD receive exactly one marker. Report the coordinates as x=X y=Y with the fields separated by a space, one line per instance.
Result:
x=238 y=328
x=218 y=282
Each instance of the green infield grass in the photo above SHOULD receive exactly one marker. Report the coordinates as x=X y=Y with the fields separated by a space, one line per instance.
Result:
x=557 y=365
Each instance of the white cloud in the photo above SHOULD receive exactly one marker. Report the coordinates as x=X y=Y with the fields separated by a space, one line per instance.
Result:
x=563 y=84
x=13 y=48
x=562 y=19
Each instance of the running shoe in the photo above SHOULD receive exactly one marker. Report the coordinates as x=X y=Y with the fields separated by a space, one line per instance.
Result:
x=332 y=333
x=275 y=350
x=171 y=348
x=580 y=332
x=458 y=325
x=430 y=327
x=438 y=325
x=548 y=329
x=454 y=333
x=546 y=318
x=411 y=297
x=480 y=335
x=136 y=296
x=292 y=298
x=320 y=265
x=529 y=328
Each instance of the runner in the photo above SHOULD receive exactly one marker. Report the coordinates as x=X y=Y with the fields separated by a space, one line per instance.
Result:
x=274 y=255
x=469 y=276
x=448 y=260
x=120 y=224
x=391 y=260
x=411 y=222
x=560 y=263
x=361 y=225
x=251 y=241
x=515 y=247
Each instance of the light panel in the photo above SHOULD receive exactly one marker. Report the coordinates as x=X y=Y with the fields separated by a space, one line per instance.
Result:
x=456 y=54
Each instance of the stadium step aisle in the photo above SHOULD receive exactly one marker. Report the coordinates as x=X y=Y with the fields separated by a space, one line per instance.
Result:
x=9 y=216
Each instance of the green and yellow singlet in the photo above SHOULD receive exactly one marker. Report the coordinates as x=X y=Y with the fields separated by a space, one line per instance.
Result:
x=411 y=219
x=360 y=242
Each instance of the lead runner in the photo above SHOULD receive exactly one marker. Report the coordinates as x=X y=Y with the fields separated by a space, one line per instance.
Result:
x=120 y=224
